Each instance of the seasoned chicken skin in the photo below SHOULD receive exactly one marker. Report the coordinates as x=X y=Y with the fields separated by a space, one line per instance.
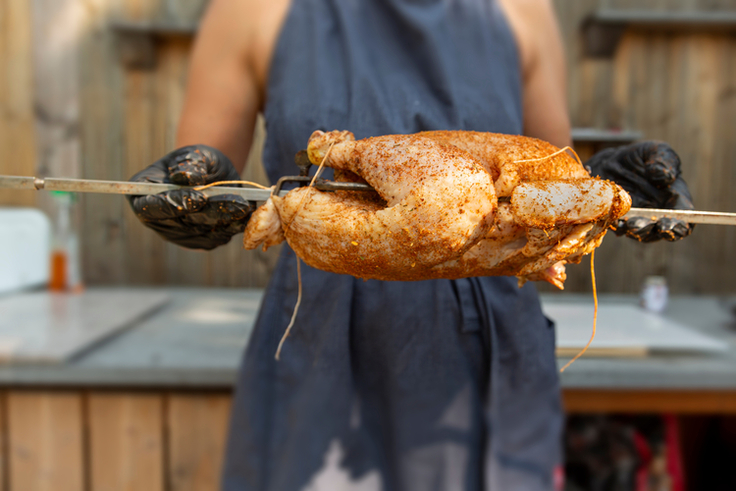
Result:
x=448 y=204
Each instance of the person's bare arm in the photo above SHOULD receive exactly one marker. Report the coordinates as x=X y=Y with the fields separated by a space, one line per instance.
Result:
x=543 y=69
x=222 y=95
x=226 y=87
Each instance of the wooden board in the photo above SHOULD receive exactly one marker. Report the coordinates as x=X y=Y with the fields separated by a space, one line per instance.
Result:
x=45 y=441
x=620 y=352
x=57 y=28
x=17 y=135
x=4 y=458
x=649 y=401
x=126 y=442
x=197 y=436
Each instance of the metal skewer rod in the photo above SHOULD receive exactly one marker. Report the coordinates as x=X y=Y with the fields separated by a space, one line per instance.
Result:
x=690 y=216
x=141 y=188
x=119 y=187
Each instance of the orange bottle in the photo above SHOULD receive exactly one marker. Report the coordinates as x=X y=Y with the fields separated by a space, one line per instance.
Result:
x=64 y=274
x=58 y=279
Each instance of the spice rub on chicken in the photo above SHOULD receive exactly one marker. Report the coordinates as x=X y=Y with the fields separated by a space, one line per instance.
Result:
x=447 y=204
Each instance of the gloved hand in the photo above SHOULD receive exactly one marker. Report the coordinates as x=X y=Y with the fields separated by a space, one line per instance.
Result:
x=187 y=217
x=650 y=172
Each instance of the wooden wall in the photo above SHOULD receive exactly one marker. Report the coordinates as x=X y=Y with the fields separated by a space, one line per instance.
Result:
x=72 y=440
x=128 y=121
x=675 y=87
x=17 y=136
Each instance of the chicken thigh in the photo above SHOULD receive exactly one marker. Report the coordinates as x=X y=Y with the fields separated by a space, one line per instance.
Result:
x=447 y=204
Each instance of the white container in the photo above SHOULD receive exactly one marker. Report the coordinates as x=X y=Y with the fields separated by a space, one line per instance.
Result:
x=25 y=235
x=654 y=294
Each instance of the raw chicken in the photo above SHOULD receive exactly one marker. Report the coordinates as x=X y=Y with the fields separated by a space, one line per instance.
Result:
x=447 y=204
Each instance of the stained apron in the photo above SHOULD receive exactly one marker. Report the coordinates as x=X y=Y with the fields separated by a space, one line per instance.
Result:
x=429 y=385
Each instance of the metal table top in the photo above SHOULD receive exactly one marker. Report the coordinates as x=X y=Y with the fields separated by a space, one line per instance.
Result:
x=198 y=339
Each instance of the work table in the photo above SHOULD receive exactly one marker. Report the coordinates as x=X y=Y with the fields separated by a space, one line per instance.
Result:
x=196 y=341
x=159 y=391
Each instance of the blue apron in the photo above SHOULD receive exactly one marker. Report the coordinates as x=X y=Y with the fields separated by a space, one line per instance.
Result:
x=431 y=385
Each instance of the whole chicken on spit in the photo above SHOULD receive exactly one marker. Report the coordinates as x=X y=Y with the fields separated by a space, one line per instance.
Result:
x=447 y=204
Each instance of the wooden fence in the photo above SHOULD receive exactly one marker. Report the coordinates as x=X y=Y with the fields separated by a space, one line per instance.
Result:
x=72 y=440
x=17 y=142
x=678 y=86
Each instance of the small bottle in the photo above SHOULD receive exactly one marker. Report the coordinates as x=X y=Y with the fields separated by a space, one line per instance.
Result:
x=64 y=275
x=654 y=294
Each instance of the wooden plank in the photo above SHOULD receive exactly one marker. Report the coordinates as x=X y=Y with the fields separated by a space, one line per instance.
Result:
x=649 y=401
x=17 y=133
x=45 y=441
x=653 y=20
x=570 y=15
x=4 y=474
x=726 y=151
x=143 y=249
x=232 y=265
x=172 y=71
x=622 y=352
x=126 y=442
x=706 y=171
x=603 y=29
x=143 y=253
x=598 y=136
x=102 y=134
x=678 y=130
x=57 y=29
x=156 y=30
x=197 y=425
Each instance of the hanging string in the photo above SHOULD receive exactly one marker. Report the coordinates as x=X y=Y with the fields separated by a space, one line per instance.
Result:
x=592 y=259
x=298 y=263
x=552 y=155
x=219 y=183
x=595 y=312
x=296 y=309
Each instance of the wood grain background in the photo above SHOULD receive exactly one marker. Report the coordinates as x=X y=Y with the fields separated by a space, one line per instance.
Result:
x=72 y=440
x=68 y=107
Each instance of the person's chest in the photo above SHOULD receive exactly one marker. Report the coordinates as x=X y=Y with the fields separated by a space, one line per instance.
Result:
x=378 y=67
x=272 y=19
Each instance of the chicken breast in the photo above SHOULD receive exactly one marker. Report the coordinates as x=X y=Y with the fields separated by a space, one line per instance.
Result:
x=436 y=210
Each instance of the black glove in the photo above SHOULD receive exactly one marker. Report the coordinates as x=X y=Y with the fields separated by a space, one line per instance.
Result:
x=650 y=172
x=187 y=217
